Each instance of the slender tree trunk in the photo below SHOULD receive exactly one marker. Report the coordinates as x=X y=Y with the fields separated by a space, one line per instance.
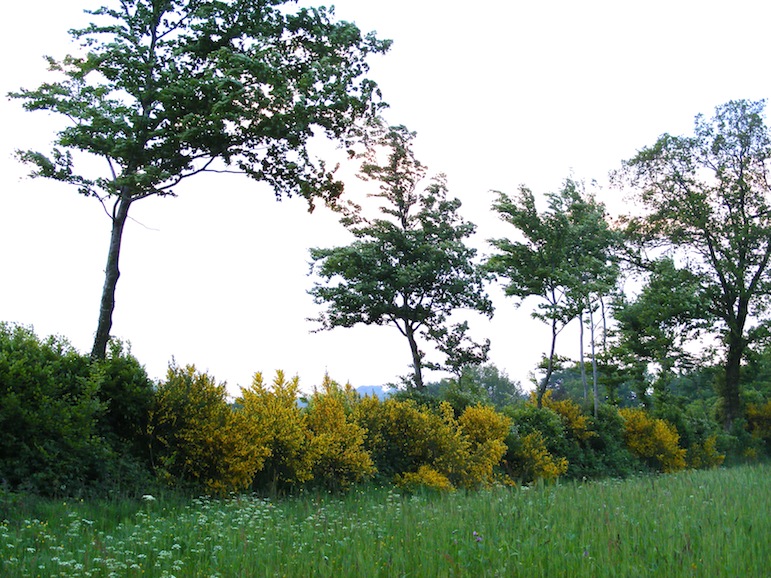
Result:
x=111 y=274
x=595 y=389
x=417 y=364
x=549 y=367
x=604 y=327
x=581 y=353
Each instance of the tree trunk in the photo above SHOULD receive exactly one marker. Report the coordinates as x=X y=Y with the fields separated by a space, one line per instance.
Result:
x=111 y=274
x=729 y=389
x=595 y=388
x=549 y=367
x=417 y=364
x=583 y=365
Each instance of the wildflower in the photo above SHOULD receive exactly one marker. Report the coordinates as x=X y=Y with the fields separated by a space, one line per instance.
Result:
x=148 y=498
x=477 y=537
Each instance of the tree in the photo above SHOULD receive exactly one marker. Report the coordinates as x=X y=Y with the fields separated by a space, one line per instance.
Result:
x=657 y=325
x=411 y=268
x=563 y=257
x=594 y=261
x=705 y=202
x=170 y=89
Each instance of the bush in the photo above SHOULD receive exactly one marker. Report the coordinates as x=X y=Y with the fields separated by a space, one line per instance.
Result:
x=49 y=411
x=607 y=454
x=703 y=455
x=537 y=445
x=425 y=479
x=486 y=431
x=337 y=442
x=759 y=423
x=276 y=424
x=529 y=459
x=403 y=436
x=653 y=440
x=198 y=440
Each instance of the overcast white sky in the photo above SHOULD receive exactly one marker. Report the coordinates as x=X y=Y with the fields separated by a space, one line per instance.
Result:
x=500 y=93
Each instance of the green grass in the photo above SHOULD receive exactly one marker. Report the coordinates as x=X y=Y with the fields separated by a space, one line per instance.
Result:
x=705 y=523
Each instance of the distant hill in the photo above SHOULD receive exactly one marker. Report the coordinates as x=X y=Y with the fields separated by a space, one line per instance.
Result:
x=376 y=390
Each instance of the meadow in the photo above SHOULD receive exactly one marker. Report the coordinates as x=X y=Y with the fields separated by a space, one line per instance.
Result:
x=693 y=523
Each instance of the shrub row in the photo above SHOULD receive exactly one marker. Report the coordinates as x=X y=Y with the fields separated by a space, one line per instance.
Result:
x=73 y=426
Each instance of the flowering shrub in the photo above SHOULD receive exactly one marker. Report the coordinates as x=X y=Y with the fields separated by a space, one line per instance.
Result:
x=576 y=422
x=274 y=422
x=703 y=455
x=486 y=431
x=426 y=478
x=759 y=422
x=337 y=442
x=653 y=440
x=529 y=460
x=196 y=437
x=402 y=436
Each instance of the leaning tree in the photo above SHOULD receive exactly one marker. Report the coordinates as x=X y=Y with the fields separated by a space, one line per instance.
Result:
x=562 y=255
x=166 y=89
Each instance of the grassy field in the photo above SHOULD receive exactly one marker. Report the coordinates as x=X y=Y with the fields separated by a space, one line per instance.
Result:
x=701 y=523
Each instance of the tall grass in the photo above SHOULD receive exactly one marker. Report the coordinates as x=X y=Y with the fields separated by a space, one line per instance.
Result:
x=698 y=523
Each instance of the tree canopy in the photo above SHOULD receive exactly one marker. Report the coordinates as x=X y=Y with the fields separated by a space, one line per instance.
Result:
x=165 y=90
x=706 y=203
x=562 y=257
x=411 y=267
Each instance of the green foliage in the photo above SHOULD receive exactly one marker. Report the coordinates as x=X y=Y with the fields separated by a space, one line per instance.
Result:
x=49 y=416
x=564 y=257
x=127 y=394
x=167 y=90
x=536 y=444
x=478 y=384
x=705 y=201
x=411 y=268
x=666 y=315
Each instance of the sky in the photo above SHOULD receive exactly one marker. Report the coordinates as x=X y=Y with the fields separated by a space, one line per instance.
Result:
x=499 y=93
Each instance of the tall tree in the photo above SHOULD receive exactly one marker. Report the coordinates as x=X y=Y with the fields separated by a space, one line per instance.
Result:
x=706 y=201
x=563 y=257
x=411 y=267
x=167 y=89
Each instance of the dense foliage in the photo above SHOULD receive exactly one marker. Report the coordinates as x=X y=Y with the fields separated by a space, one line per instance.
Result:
x=411 y=267
x=60 y=436
x=163 y=91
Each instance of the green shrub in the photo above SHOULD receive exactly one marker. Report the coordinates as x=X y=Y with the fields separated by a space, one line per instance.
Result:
x=49 y=411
